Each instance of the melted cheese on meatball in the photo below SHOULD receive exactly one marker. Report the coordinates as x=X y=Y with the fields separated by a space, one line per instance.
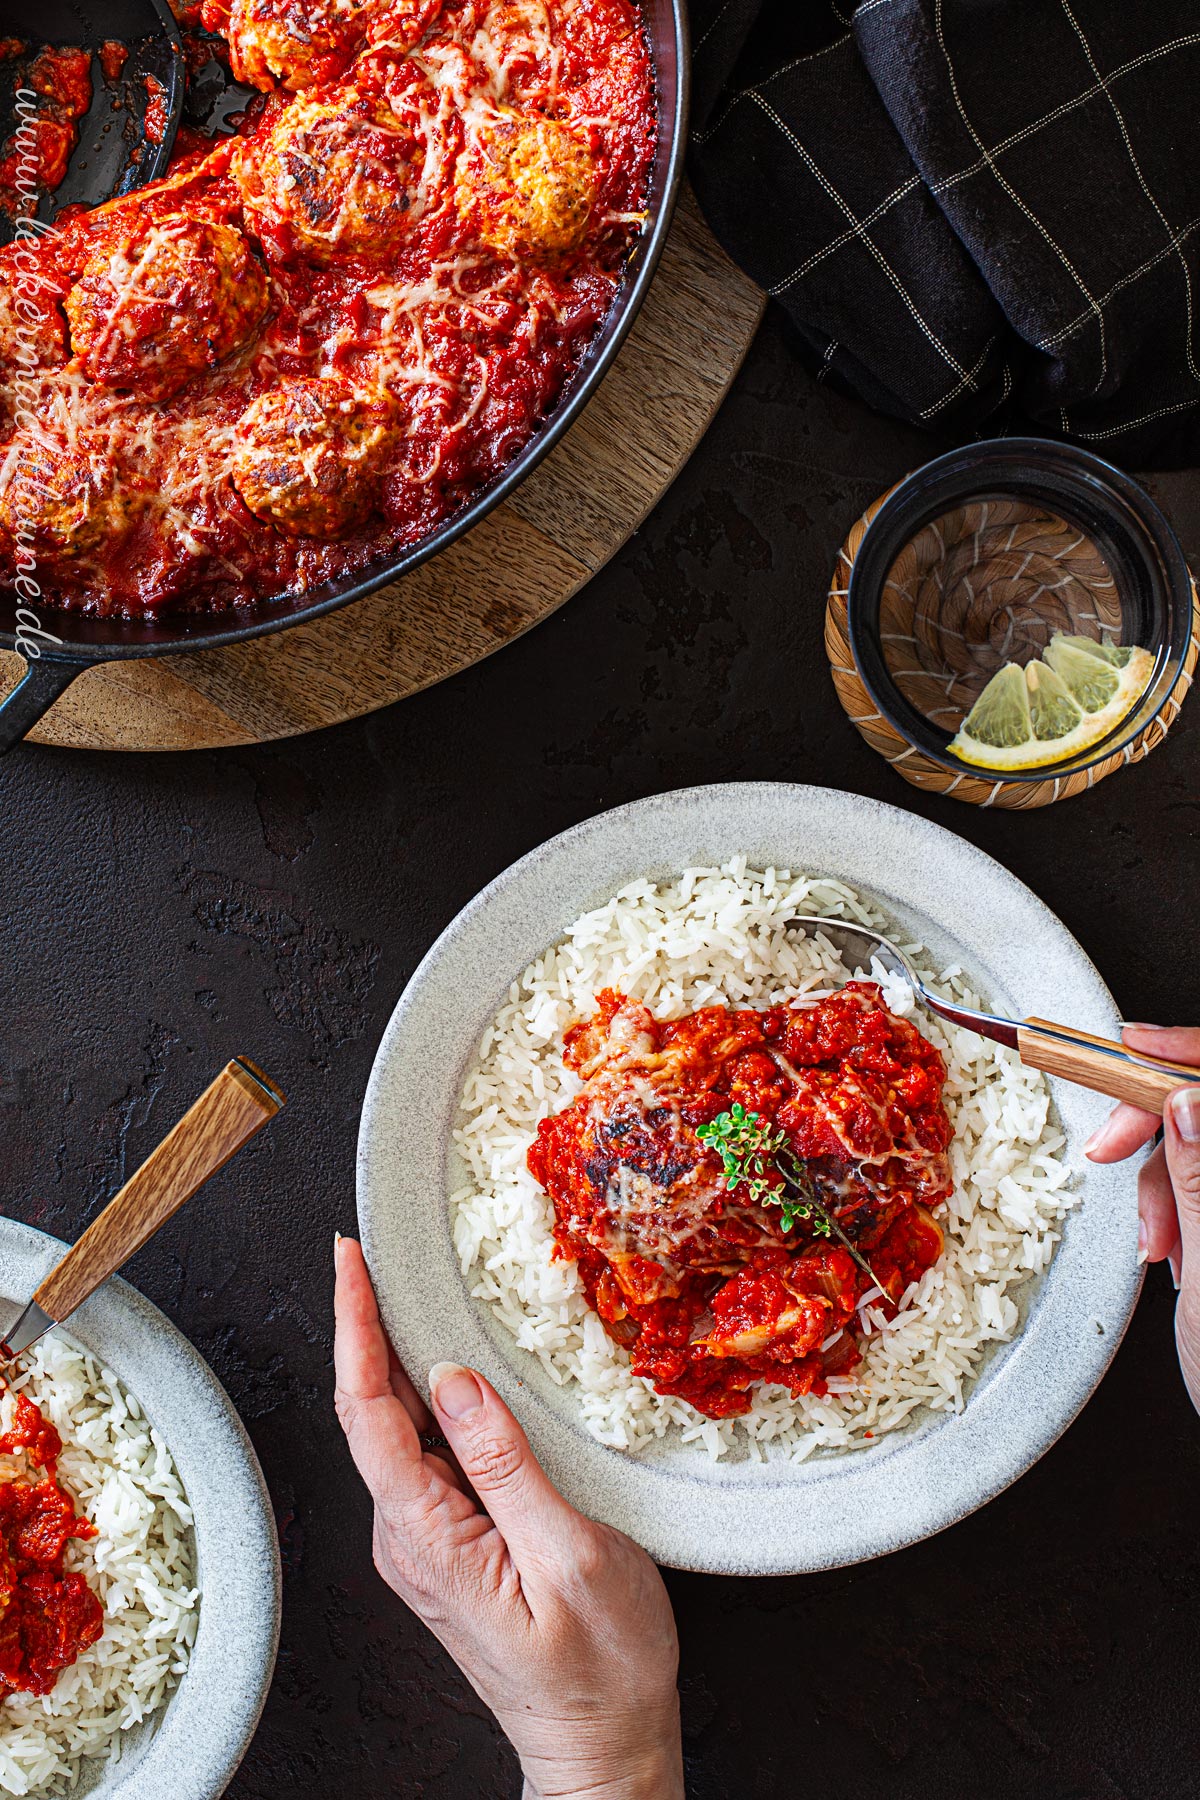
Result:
x=33 y=336
x=527 y=186
x=59 y=505
x=335 y=176
x=164 y=304
x=298 y=43
x=309 y=457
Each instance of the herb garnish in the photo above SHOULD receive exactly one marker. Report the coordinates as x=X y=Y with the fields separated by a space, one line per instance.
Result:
x=761 y=1160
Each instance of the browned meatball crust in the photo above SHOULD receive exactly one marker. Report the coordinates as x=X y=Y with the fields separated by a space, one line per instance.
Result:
x=527 y=186
x=309 y=457
x=165 y=304
x=298 y=43
x=334 y=177
x=59 y=506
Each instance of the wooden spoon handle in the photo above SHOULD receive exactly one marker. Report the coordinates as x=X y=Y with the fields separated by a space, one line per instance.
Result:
x=226 y=1116
x=1098 y=1063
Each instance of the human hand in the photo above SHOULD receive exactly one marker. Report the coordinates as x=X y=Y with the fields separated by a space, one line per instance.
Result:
x=1169 y=1184
x=562 y=1626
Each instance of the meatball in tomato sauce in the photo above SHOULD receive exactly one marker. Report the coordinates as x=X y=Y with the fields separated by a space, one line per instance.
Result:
x=527 y=186
x=310 y=456
x=299 y=43
x=334 y=176
x=165 y=304
x=60 y=506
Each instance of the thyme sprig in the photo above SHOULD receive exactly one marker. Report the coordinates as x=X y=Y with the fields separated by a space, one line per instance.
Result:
x=761 y=1160
x=753 y=1157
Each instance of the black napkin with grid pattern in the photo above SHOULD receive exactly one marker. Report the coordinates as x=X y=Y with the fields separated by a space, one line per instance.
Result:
x=979 y=213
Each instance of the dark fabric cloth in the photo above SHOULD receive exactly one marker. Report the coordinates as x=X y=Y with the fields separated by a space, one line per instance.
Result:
x=979 y=213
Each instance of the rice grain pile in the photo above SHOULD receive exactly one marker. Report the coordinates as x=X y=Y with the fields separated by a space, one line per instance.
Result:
x=717 y=936
x=141 y=1564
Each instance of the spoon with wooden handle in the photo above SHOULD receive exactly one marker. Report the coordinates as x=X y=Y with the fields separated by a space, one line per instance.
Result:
x=225 y=1117
x=1091 y=1062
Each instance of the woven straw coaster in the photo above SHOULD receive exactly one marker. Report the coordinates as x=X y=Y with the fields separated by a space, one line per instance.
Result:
x=983 y=789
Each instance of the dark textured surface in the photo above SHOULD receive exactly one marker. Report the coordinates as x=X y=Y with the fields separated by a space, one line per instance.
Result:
x=161 y=914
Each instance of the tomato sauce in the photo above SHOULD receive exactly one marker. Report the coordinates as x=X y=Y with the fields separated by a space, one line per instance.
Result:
x=156 y=110
x=113 y=57
x=62 y=81
x=706 y=1286
x=470 y=344
x=48 y=1614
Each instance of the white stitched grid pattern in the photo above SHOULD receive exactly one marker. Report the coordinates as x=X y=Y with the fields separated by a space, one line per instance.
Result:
x=1143 y=184
x=892 y=290
x=859 y=231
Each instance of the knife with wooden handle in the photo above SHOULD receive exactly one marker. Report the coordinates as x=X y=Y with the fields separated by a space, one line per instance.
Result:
x=226 y=1116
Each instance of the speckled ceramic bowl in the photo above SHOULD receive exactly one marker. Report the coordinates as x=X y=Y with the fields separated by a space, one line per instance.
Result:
x=743 y=1517
x=191 y=1748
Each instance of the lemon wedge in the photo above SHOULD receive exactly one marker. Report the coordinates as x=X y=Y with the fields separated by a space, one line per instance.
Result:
x=1116 y=654
x=1092 y=682
x=1050 y=710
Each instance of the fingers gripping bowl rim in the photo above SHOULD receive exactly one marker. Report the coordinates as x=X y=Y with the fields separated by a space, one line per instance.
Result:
x=743 y=1518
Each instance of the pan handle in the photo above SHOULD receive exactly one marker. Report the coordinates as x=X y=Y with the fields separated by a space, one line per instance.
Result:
x=45 y=678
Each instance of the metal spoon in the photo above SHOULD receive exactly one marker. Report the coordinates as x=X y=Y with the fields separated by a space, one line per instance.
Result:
x=1090 y=1062
x=115 y=153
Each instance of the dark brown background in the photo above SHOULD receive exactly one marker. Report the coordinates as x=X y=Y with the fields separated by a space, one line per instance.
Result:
x=160 y=914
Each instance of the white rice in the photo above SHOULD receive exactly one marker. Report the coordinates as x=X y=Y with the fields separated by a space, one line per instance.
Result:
x=717 y=936
x=142 y=1565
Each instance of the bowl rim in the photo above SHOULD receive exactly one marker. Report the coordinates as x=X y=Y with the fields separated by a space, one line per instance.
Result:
x=201 y=1734
x=899 y=515
x=691 y=1515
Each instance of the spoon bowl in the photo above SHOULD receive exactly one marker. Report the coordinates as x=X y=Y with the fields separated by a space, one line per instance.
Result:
x=859 y=947
x=127 y=133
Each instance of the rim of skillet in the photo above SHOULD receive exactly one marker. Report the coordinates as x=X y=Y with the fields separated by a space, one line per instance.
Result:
x=743 y=1517
x=281 y=611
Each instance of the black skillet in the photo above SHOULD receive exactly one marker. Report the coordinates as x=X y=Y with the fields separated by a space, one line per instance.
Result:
x=113 y=154
x=81 y=641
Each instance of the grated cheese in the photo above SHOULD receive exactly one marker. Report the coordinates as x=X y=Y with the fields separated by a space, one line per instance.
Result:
x=430 y=342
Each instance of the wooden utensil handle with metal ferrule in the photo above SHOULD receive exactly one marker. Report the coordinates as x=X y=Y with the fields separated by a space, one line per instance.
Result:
x=226 y=1116
x=1101 y=1064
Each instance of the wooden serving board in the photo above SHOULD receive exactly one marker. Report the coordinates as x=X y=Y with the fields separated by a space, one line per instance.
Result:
x=515 y=568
